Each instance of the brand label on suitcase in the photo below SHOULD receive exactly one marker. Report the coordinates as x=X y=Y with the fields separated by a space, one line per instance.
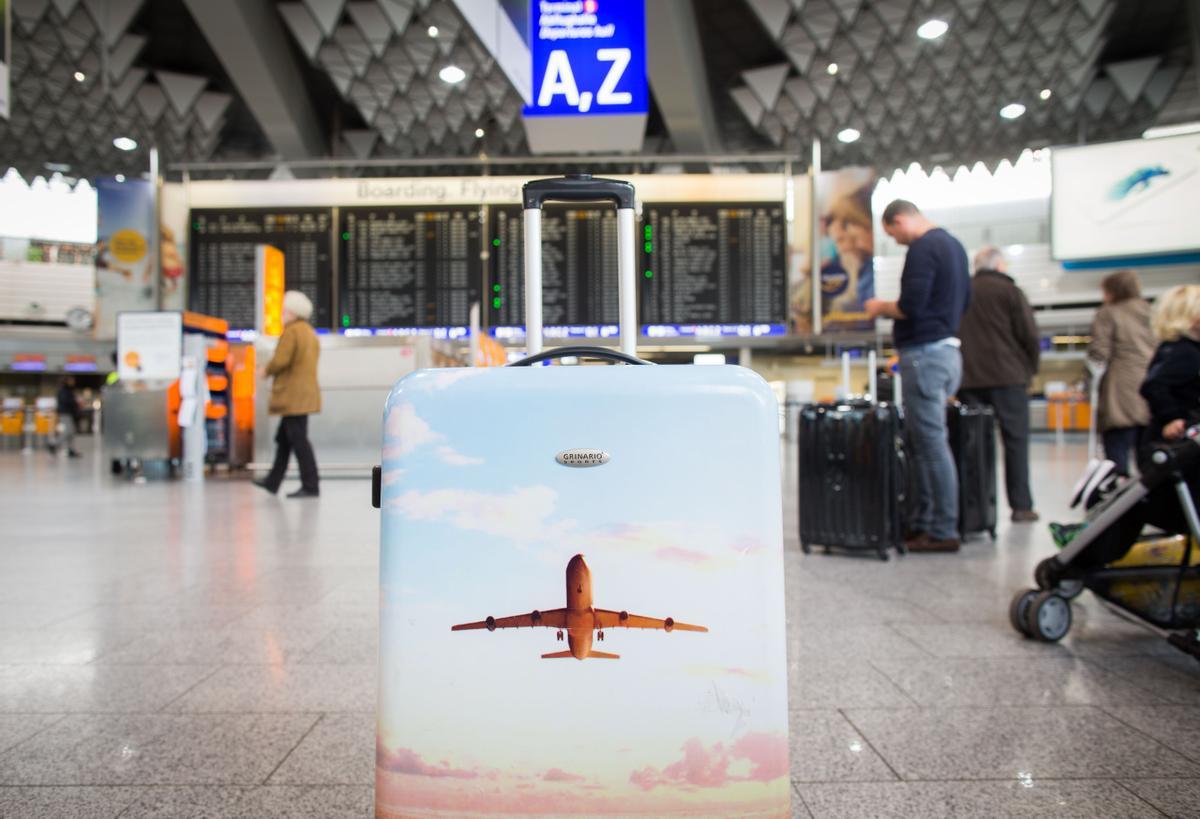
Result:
x=587 y=641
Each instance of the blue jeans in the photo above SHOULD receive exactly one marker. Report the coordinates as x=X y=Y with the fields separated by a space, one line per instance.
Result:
x=930 y=375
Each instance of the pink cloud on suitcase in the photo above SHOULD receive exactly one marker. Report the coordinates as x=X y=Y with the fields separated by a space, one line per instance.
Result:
x=709 y=766
x=405 y=761
x=559 y=775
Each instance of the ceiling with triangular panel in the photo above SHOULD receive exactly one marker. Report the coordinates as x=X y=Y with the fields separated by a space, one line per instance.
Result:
x=1089 y=70
x=86 y=72
x=370 y=72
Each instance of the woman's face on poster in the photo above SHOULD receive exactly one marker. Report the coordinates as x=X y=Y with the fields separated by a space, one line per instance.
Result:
x=850 y=237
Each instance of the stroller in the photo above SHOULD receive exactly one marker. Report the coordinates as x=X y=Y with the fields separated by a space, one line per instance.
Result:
x=1156 y=581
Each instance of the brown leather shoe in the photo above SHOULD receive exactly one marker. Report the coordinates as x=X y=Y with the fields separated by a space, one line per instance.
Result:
x=927 y=543
x=1024 y=516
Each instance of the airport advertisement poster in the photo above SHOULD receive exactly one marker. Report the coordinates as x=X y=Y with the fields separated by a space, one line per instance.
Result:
x=125 y=249
x=846 y=252
x=1123 y=199
x=562 y=631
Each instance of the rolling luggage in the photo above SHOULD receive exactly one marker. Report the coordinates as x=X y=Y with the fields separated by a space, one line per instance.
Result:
x=972 y=433
x=853 y=480
x=581 y=580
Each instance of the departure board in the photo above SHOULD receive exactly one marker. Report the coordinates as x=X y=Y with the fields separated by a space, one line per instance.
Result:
x=409 y=266
x=713 y=263
x=579 y=266
x=222 y=247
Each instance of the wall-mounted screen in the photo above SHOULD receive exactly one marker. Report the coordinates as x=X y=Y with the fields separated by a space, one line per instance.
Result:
x=1125 y=199
x=222 y=251
x=712 y=263
x=409 y=267
x=579 y=266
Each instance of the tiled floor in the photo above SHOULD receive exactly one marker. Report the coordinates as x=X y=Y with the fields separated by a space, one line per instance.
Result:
x=181 y=650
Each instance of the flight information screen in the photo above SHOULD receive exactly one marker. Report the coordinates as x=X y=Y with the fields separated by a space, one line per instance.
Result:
x=415 y=267
x=713 y=264
x=222 y=250
x=579 y=266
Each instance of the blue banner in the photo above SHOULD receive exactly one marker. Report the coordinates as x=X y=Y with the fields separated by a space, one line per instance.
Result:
x=589 y=57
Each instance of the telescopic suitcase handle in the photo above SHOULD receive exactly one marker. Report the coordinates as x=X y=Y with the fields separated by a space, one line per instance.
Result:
x=579 y=187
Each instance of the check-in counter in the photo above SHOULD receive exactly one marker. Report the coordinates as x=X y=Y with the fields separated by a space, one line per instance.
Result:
x=12 y=423
x=1060 y=413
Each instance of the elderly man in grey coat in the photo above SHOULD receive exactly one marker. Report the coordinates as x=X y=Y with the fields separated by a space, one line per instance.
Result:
x=1000 y=351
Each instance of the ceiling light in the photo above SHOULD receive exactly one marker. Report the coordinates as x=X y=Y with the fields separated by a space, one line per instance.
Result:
x=1012 y=110
x=1172 y=130
x=479 y=133
x=57 y=167
x=124 y=143
x=848 y=135
x=80 y=76
x=832 y=69
x=932 y=29
x=452 y=74
x=433 y=31
x=1046 y=93
x=120 y=177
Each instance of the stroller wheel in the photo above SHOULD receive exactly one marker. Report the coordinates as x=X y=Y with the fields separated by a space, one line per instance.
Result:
x=1018 y=609
x=1046 y=574
x=1048 y=617
x=1070 y=589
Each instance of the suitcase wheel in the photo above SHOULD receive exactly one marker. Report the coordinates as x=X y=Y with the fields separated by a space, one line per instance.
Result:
x=883 y=555
x=1019 y=607
x=804 y=547
x=1048 y=617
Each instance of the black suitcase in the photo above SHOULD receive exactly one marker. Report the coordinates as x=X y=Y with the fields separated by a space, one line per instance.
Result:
x=852 y=477
x=973 y=442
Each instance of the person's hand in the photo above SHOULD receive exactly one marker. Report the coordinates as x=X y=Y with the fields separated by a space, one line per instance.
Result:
x=874 y=307
x=1173 y=430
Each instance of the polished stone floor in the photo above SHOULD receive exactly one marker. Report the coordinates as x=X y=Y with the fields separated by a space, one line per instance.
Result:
x=179 y=650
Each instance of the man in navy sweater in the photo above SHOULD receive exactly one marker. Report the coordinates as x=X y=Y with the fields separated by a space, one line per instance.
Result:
x=935 y=289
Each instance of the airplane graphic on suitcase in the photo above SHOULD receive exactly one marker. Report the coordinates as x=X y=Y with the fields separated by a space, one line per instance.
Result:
x=667 y=479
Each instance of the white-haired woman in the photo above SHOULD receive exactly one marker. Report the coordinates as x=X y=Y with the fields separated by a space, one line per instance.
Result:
x=295 y=395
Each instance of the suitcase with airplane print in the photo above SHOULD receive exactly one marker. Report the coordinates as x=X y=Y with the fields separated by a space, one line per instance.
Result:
x=581 y=574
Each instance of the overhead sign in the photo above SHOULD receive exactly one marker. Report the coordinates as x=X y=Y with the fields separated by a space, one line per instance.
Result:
x=589 y=75
x=589 y=57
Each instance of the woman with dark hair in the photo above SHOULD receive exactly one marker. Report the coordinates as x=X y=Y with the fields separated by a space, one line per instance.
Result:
x=1121 y=349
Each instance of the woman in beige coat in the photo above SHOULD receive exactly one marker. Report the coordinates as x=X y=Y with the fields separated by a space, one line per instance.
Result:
x=1122 y=345
x=295 y=395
